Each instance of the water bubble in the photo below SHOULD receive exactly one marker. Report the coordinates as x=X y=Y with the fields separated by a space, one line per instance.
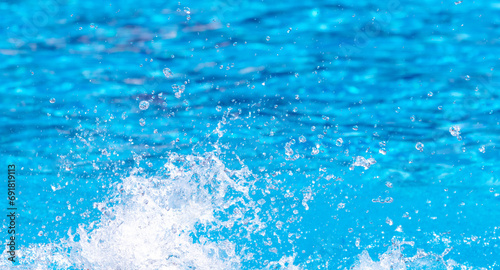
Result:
x=355 y=128
x=142 y=122
x=296 y=75
x=482 y=149
x=143 y=105
x=340 y=205
x=168 y=73
x=419 y=146
x=187 y=10
x=382 y=151
x=339 y=142
x=430 y=94
x=218 y=108
x=314 y=151
x=58 y=218
x=302 y=139
x=268 y=38
x=467 y=77
x=412 y=118
x=52 y=100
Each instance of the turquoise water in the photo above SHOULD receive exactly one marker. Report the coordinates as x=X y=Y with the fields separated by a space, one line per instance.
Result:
x=252 y=134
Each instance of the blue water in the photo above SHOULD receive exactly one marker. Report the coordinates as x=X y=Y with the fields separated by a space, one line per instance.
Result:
x=252 y=134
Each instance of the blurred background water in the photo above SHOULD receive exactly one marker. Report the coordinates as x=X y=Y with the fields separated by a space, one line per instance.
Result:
x=253 y=134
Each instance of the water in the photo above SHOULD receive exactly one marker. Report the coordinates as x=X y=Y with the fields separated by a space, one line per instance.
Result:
x=252 y=135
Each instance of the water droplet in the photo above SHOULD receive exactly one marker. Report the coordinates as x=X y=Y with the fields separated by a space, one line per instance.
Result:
x=143 y=105
x=302 y=139
x=482 y=149
x=412 y=118
x=142 y=122
x=389 y=221
x=52 y=100
x=467 y=77
x=430 y=94
x=218 y=108
x=382 y=151
x=268 y=38
x=187 y=10
x=360 y=161
x=340 y=205
x=455 y=131
x=355 y=128
x=58 y=218
x=339 y=142
x=315 y=151
x=296 y=75
x=168 y=73
x=419 y=146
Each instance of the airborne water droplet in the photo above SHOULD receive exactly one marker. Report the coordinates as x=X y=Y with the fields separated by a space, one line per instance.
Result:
x=168 y=73
x=419 y=146
x=389 y=221
x=143 y=105
x=339 y=142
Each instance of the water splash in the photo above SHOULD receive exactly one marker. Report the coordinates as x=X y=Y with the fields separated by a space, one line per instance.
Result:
x=160 y=222
x=395 y=259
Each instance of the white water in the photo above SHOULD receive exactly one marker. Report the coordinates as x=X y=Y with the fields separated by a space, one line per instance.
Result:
x=151 y=223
